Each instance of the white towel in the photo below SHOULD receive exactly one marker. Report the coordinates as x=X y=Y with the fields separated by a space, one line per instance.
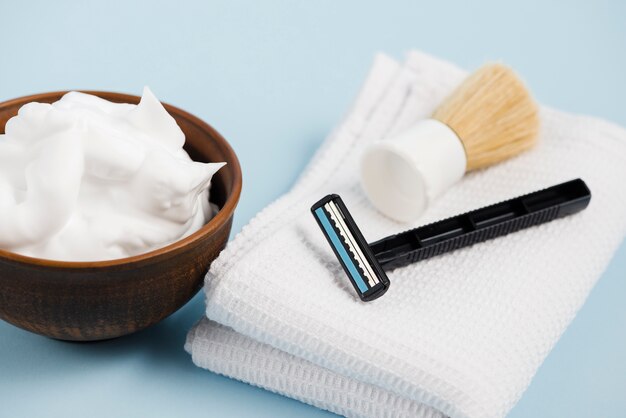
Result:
x=461 y=334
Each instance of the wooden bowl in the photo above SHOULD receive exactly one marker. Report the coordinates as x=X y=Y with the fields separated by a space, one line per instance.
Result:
x=99 y=300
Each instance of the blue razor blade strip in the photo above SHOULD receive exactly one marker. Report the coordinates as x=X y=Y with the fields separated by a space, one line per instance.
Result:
x=342 y=251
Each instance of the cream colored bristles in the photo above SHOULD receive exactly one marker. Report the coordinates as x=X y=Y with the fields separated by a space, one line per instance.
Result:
x=493 y=114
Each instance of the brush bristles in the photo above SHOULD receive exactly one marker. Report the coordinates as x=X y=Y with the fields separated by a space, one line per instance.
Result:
x=493 y=114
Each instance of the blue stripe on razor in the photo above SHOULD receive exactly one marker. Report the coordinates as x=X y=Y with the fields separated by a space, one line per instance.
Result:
x=342 y=251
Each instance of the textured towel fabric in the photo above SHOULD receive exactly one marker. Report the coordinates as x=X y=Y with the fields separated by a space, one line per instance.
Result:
x=461 y=334
x=227 y=352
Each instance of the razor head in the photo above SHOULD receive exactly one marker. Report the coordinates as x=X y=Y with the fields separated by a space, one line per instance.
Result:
x=352 y=251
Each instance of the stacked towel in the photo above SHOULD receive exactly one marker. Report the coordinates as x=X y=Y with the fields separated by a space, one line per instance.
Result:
x=458 y=335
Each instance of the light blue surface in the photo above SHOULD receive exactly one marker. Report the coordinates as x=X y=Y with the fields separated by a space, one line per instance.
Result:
x=274 y=77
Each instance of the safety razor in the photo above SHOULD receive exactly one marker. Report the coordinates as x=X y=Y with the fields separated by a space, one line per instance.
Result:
x=365 y=264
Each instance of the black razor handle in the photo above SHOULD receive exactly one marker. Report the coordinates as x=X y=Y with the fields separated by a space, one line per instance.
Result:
x=481 y=224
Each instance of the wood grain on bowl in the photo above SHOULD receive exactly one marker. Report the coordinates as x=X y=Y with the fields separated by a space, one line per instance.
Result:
x=85 y=301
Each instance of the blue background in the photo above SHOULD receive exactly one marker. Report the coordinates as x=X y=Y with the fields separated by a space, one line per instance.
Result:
x=274 y=77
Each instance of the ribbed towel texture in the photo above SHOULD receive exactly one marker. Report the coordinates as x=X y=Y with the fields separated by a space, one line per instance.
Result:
x=458 y=335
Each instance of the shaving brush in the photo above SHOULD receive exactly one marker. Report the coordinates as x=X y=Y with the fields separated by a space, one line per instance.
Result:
x=489 y=118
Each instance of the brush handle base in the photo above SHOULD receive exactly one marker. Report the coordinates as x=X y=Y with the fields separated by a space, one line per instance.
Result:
x=403 y=174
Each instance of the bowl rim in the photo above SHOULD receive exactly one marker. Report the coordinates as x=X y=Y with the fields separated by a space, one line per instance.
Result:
x=219 y=220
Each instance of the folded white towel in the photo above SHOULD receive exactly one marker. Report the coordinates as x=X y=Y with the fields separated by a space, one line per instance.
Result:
x=461 y=334
x=222 y=350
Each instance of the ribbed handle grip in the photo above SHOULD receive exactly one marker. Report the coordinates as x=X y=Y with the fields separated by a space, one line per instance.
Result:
x=481 y=224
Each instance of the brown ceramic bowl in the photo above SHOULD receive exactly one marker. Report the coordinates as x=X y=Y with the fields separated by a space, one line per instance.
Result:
x=84 y=301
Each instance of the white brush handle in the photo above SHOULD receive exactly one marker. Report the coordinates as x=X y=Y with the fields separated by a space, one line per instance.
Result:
x=403 y=174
